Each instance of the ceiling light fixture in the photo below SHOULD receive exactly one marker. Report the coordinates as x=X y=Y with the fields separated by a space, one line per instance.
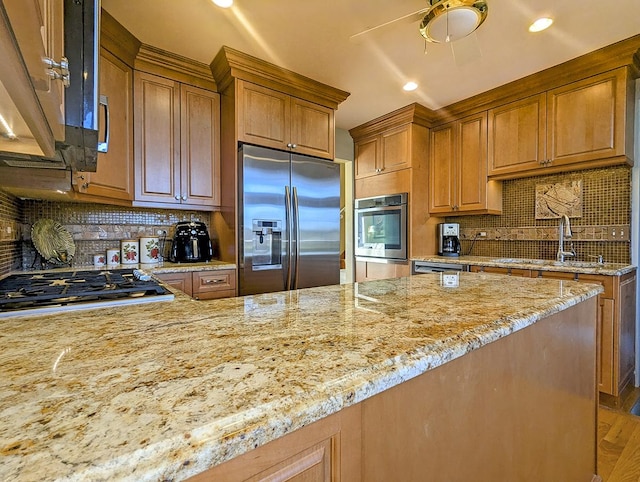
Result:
x=540 y=24
x=8 y=131
x=409 y=86
x=223 y=3
x=450 y=20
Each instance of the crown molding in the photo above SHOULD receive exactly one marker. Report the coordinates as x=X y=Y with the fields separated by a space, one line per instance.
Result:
x=230 y=64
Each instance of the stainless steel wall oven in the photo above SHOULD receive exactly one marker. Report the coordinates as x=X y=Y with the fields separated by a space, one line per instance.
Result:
x=381 y=227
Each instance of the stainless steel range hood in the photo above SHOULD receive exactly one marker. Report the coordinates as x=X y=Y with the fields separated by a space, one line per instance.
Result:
x=73 y=145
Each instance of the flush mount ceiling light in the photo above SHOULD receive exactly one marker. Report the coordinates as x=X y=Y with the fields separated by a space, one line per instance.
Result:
x=223 y=3
x=409 y=86
x=450 y=20
x=540 y=24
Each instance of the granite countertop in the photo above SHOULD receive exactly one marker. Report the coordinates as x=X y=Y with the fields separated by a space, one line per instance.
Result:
x=586 y=267
x=159 y=268
x=163 y=391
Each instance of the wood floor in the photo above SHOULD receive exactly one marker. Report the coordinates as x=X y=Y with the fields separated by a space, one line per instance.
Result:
x=619 y=442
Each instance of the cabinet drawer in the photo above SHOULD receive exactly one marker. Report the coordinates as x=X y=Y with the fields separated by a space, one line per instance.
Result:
x=208 y=285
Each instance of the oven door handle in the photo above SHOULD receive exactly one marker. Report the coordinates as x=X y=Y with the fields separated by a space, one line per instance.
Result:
x=395 y=207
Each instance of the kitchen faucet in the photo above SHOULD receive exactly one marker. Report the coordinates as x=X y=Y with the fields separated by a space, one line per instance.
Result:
x=564 y=231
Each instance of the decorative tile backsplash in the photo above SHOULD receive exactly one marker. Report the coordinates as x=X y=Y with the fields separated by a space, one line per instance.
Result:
x=602 y=228
x=98 y=227
x=554 y=200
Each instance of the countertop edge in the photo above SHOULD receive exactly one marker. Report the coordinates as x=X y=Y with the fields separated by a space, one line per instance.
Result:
x=619 y=270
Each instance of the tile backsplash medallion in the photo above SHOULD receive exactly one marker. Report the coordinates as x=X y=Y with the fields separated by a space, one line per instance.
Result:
x=602 y=229
x=93 y=227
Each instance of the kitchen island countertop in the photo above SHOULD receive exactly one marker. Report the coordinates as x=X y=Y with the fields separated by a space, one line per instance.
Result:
x=164 y=391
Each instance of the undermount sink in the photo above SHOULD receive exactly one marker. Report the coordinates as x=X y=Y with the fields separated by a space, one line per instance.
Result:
x=549 y=262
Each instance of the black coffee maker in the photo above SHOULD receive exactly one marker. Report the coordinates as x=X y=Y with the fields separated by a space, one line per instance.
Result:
x=449 y=239
x=191 y=243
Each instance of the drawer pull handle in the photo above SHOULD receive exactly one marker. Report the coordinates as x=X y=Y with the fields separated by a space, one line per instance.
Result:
x=213 y=281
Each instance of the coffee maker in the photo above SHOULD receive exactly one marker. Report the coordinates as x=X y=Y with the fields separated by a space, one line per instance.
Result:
x=449 y=239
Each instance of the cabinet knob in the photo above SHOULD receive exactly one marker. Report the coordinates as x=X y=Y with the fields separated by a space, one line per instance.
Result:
x=177 y=197
x=58 y=70
x=184 y=197
x=291 y=145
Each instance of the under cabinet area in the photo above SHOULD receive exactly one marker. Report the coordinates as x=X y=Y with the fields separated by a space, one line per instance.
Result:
x=458 y=169
x=576 y=126
x=274 y=119
x=177 y=132
x=203 y=285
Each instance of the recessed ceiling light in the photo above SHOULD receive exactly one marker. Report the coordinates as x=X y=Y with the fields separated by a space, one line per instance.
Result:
x=223 y=3
x=540 y=24
x=409 y=86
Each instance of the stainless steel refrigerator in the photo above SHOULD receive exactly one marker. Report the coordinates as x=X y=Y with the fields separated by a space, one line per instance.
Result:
x=289 y=221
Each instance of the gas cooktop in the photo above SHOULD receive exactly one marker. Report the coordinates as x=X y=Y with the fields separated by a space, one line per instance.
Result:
x=49 y=292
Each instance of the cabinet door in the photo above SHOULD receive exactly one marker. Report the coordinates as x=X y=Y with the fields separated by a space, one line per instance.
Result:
x=471 y=167
x=263 y=116
x=366 y=157
x=442 y=169
x=181 y=281
x=396 y=149
x=586 y=119
x=157 y=139
x=517 y=136
x=114 y=175
x=312 y=129
x=200 y=146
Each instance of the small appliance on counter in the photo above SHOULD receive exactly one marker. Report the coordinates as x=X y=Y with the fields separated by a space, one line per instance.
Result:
x=448 y=239
x=191 y=243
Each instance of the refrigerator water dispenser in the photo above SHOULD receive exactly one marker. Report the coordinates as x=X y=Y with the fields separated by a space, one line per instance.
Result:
x=267 y=244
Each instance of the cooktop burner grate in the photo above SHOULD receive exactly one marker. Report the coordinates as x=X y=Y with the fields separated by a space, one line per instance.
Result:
x=61 y=289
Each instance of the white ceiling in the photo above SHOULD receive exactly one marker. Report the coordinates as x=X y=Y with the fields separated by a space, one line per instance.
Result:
x=313 y=39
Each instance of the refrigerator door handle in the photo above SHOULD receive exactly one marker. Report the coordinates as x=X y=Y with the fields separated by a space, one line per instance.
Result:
x=295 y=252
x=287 y=211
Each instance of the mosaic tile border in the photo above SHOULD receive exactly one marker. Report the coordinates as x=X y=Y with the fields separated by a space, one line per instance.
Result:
x=618 y=232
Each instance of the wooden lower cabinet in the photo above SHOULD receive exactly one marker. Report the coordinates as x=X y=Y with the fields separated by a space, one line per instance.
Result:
x=616 y=330
x=203 y=285
x=524 y=273
x=327 y=450
x=516 y=409
x=371 y=270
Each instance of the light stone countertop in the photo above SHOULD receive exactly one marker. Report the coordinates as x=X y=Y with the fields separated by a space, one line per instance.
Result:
x=165 y=390
x=585 y=267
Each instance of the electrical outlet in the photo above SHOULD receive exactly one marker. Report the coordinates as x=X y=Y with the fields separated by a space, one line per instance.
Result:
x=482 y=234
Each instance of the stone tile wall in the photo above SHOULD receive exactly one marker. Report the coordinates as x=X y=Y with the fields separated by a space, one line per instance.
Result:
x=97 y=227
x=602 y=229
x=10 y=232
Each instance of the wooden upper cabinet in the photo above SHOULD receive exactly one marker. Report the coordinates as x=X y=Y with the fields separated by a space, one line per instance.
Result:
x=517 y=136
x=386 y=152
x=176 y=143
x=458 y=169
x=200 y=146
x=442 y=168
x=586 y=119
x=113 y=178
x=273 y=119
x=577 y=126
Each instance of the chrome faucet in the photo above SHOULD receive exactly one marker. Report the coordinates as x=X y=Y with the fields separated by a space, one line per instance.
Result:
x=564 y=232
